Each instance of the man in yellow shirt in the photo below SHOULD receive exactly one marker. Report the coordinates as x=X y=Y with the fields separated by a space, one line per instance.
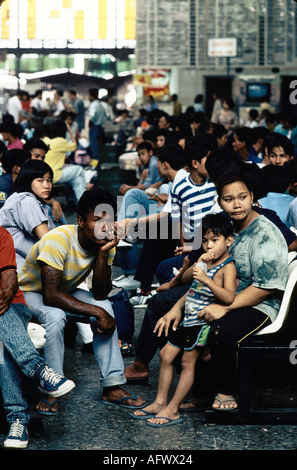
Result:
x=53 y=269
x=55 y=158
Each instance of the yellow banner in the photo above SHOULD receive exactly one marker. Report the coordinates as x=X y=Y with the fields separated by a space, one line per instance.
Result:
x=79 y=24
x=31 y=19
x=130 y=9
x=5 y=20
x=102 y=33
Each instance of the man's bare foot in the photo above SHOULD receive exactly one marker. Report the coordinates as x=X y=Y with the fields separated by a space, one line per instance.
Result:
x=48 y=405
x=136 y=371
x=113 y=395
x=224 y=402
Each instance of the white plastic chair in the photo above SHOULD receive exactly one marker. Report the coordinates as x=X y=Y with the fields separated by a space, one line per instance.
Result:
x=37 y=335
x=285 y=304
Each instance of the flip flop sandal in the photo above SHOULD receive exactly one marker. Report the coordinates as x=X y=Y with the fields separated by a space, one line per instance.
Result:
x=146 y=415
x=169 y=422
x=50 y=412
x=120 y=403
x=224 y=400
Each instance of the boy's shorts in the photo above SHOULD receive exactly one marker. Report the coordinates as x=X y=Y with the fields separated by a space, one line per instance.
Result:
x=188 y=338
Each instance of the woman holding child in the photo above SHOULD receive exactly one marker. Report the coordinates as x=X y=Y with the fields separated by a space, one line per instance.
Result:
x=261 y=256
x=261 y=259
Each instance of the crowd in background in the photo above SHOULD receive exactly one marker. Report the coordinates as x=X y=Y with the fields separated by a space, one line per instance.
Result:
x=179 y=158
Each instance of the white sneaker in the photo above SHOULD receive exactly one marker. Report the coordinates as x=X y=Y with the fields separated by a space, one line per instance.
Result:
x=18 y=436
x=117 y=279
x=140 y=301
x=127 y=283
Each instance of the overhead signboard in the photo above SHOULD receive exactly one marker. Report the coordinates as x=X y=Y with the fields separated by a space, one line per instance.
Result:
x=222 y=47
x=71 y=23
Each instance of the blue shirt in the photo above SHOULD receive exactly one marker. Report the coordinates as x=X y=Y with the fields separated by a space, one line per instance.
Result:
x=153 y=174
x=97 y=113
x=6 y=187
x=278 y=202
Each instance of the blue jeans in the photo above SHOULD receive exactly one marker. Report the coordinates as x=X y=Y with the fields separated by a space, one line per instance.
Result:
x=106 y=347
x=75 y=176
x=128 y=260
x=164 y=272
x=18 y=353
x=136 y=203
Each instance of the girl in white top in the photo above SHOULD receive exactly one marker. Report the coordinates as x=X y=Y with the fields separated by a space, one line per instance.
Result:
x=25 y=213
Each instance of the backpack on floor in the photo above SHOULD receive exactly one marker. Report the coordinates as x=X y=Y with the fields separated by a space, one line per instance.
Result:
x=124 y=314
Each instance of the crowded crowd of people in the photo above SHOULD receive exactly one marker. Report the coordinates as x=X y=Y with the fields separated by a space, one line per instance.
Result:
x=212 y=217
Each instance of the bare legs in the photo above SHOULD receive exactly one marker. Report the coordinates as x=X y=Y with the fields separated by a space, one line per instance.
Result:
x=162 y=410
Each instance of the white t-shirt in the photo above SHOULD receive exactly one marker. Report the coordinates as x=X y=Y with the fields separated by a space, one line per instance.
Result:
x=14 y=107
x=181 y=174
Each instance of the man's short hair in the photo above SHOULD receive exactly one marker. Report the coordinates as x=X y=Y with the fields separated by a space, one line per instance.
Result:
x=245 y=134
x=35 y=143
x=145 y=145
x=198 y=147
x=92 y=198
x=14 y=157
x=172 y=154
x=280 y=140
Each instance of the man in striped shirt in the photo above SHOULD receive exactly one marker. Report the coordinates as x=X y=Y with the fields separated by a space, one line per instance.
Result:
x=194 y=195
x=53 y=269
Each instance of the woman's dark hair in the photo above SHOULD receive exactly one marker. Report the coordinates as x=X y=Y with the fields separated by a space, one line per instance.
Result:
x=12 y=128
x=229 y=101
x=31 y=170
x=92 y=198
x=275 y=178
x=230 y=177
x=163 y=132
x=218 y=224
x=220 y=161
